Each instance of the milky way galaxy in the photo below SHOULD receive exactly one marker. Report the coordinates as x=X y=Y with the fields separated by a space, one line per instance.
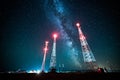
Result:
x=58 y=15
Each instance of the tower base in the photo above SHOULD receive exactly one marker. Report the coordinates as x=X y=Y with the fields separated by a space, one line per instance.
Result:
x=53 y=70
x=91 y=65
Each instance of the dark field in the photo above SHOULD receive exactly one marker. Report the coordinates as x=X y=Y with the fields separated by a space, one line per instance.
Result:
x=60 y=76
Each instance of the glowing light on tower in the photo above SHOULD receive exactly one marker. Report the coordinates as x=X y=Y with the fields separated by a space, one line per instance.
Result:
x=55 y=36
x=44 y=58
x=53 y=55
x=78 y=24
x=87 y=53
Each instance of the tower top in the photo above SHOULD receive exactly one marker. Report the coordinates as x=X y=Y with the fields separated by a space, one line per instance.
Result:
x=46 y=42
x=55 y=35
x=78 y=24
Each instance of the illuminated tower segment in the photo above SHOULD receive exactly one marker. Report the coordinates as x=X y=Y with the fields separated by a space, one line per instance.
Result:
x=87 y=53
x=53 y=55
x=44 y=58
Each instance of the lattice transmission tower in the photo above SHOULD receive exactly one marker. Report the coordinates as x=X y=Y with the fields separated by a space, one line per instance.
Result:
x=88 y=56
x=53 y=55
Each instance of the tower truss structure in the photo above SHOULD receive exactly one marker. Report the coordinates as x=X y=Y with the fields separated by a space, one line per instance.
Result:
x=88 y=56
x=53 y=55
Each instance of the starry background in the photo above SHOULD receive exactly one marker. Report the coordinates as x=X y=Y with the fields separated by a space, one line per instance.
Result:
x=24 y=27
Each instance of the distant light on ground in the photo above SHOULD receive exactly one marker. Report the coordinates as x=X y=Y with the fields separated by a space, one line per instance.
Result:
x=34 y=71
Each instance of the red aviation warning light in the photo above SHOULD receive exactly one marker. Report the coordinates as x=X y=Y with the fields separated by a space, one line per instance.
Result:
x=78 y=24
x=46 y=42
x=55 y=35
x=45 y=49
x=82 y=37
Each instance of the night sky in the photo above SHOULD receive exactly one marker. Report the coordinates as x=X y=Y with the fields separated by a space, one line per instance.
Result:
x=26 y=24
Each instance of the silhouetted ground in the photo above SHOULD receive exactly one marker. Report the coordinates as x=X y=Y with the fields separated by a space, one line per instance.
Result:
x=60 y=76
